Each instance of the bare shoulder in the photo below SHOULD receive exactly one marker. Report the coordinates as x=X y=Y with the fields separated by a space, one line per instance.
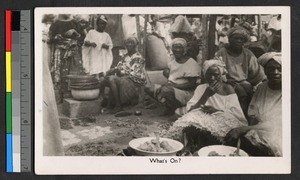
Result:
x=228 y=89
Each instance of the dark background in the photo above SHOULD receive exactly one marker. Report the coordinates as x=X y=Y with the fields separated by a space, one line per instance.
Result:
x=295 y=77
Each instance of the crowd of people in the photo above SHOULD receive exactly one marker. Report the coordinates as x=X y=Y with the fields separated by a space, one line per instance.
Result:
x=234 y=96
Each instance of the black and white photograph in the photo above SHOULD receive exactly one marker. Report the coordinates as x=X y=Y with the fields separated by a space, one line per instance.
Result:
x=174 y=90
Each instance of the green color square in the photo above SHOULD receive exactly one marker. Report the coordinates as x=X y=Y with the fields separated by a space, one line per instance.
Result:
x=8 y=111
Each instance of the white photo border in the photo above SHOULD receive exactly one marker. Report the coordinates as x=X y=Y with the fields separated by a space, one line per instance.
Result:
x=141 y=165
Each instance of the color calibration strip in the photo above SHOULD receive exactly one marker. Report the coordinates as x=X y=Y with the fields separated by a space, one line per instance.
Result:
x=18 y=90
x=8 y=99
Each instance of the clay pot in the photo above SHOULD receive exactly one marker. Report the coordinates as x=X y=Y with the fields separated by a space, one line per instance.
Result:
x=89 y=94
x=84 y=87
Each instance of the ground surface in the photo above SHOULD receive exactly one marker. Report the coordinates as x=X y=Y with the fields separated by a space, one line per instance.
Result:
x=107 y=135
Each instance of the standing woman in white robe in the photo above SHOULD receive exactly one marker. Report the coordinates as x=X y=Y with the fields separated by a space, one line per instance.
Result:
x=96 y=53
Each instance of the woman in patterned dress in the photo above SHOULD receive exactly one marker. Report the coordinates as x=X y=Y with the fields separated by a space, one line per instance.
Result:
x=126 y=78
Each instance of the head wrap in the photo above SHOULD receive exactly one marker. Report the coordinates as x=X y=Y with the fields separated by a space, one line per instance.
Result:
x=180 y=41
x=62 y=18
x=217 y=63
x=265 y=58
x=239 y=30
x=181 y=24
x=132 y=38
x=81 y=17
x=275 y=23
x=49 y=18
x=103 y=18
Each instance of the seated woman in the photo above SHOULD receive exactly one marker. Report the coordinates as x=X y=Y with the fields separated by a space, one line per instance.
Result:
x=212 y=112
x=126 y=78
x=182 y=74
x=263 y=135
x=243 y=70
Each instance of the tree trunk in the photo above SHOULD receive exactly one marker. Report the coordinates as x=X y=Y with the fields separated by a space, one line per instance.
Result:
x=204 y=38
x=212 y=36
x=259 y=28
x=138 y=31
x=145 y=36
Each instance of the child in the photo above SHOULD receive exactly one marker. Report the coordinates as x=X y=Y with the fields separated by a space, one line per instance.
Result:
x=96 y=52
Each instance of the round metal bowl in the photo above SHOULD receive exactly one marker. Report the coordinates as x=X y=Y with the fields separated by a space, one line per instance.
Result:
x=135 y=143
x=85 y=86
x=78 y=81
x=222 y=150
x=77 y=76
x=89 y=94
x=74 y=79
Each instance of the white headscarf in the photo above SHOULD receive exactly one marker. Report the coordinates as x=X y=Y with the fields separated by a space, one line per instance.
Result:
x=80 y=17
x=180 y=41
x=103 y=18
x=265 y=58
x=217 y=63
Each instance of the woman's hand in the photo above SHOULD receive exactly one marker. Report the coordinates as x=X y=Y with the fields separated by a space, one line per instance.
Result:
x=232 y=82
x=58 y=37
x=215 y=87
x=195 y=107
x=90 y=44
x=166 y=73
x=93 y=45
x=105 y=46
x=209 y=109
x=110 y=72
x=87 y=43
x=72 y=32
x=170 y=83
x=233 y=135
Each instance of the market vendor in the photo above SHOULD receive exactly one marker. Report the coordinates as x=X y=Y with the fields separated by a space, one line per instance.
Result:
x=212 y=112
x=182 y=74
x=64 y=34
x=263 y=136
x=243 y=70
x=181 y=28
x=126 y=78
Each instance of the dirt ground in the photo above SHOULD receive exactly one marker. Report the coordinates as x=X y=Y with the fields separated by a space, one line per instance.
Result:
x=107 y=135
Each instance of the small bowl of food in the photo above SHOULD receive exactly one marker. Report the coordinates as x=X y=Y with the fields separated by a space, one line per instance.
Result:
x=152 y=146
x=221 y=151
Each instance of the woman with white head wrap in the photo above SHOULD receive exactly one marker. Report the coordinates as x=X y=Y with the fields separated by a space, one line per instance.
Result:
x=212 y=112
x=265 y=58
x=180 y=41
x=264 y=133
x=219 y=64
x=182 y=74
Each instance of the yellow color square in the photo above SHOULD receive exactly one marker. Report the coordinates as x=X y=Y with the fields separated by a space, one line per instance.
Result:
x=8 y=71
